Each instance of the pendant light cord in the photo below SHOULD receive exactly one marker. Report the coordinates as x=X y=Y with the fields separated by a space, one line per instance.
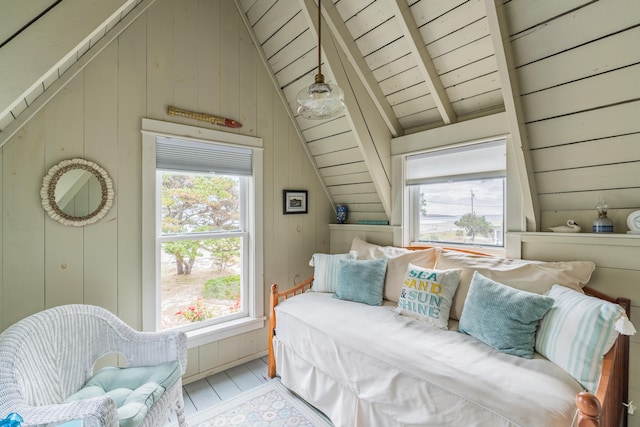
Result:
x=319 y=40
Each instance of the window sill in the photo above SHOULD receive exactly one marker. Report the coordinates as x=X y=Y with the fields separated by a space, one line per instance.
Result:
x=498 y=251
x=209 y=334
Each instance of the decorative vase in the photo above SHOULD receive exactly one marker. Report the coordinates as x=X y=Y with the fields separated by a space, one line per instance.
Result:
x=602 y=224
x=341 y=214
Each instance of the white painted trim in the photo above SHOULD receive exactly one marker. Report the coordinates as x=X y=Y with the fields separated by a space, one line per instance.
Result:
x=219 y=331
x=514 y=114
x=169 y=129
x=224 y=367
x=477 y=130
x=150 y=130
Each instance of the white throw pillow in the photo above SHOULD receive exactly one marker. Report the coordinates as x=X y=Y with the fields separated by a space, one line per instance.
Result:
x=526 y=275
x=325 y=270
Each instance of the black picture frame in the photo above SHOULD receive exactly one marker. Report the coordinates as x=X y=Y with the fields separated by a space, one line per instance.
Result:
x=294 y=202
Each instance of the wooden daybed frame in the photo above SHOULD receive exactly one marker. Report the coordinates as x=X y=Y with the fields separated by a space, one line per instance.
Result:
x=603 y=409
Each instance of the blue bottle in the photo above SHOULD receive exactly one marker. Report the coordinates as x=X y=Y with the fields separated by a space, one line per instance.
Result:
x=341 y=214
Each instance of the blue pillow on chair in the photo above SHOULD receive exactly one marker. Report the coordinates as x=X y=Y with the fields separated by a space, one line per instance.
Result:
x=134 y=389
x=503 y=317
x=361 y=280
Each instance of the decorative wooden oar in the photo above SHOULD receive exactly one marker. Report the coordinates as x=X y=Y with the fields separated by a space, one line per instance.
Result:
x=205 y=117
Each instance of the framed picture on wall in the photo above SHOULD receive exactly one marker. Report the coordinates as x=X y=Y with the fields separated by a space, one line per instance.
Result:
x=294 y=202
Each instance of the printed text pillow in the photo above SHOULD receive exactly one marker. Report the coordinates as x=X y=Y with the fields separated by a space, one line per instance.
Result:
x=427 y=294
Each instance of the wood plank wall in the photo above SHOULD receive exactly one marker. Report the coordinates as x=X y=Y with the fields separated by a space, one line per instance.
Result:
x=578 y=74
x=193 y=54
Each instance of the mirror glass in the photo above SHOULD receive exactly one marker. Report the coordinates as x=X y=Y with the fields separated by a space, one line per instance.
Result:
x=77 y=192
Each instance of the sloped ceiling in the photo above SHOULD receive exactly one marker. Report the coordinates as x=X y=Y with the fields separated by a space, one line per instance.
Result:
x=404 y=67
x=563 y=75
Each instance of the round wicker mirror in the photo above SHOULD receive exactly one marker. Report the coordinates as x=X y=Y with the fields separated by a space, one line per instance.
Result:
x=77 y=192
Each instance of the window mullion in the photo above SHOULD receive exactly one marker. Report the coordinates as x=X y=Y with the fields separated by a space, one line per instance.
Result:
x=201 y=236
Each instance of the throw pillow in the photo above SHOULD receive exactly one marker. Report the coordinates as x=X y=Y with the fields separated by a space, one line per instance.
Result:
x=427 y=294
x=368 y=250
x=577 y=332
x=325 y=271
x=526 y=275
x=361 y=281
x=503 y=317
x=398 y=262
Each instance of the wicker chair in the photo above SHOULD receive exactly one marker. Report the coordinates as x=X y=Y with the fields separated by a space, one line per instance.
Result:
x=50 y=355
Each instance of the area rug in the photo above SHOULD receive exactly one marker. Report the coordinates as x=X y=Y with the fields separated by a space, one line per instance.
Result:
x=269 y=405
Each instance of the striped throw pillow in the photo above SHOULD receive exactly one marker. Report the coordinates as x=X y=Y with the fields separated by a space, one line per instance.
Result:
x=325 y=270
x=577 y=332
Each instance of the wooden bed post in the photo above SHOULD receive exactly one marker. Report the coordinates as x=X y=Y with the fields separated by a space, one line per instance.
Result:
x=590 y=410
x=605 y=408
x=272 y=329
x=273 y=302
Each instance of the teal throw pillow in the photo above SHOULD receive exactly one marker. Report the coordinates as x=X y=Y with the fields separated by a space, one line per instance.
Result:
x=427 y=294
x=503 y=317
x=325 y=270
x=361 y=280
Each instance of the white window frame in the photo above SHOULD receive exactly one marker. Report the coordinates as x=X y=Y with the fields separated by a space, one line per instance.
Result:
x=412 y=194
x=151 y=217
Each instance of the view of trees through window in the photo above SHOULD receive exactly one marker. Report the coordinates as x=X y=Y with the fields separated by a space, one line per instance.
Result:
x=463 y=212
x=201 y=263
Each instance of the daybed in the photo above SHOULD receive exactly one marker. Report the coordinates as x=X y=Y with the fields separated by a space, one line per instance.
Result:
x=345 y=344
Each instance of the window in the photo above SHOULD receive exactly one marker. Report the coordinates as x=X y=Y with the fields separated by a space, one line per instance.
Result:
x=201 y=232
x=457 y=195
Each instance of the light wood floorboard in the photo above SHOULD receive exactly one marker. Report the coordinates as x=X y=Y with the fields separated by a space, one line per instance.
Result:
x=208 y=392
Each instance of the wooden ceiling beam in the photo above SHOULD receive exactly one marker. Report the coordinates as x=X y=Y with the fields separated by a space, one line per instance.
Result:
x=515 y=115
x=425 y=64
x=343 y=37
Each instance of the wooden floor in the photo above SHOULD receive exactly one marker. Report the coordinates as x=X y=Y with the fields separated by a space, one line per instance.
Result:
x=210 y=391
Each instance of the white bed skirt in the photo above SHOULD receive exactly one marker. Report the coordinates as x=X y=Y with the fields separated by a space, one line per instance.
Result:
x=389 y=375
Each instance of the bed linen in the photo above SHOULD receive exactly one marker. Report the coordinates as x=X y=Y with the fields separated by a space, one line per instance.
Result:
x=370 y=366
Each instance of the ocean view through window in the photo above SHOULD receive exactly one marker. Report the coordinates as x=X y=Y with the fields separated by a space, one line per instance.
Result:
x=457 y=195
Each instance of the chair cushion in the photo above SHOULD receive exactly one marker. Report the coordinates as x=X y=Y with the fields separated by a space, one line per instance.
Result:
x=134 y=389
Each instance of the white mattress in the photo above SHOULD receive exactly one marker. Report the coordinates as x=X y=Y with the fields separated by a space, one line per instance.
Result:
x=369 y=366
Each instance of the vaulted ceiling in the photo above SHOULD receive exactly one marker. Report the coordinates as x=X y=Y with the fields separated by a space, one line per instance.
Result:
x=562 y=76
x=404 y=67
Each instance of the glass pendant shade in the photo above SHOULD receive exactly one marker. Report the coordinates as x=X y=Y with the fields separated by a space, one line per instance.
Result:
x=320 y=100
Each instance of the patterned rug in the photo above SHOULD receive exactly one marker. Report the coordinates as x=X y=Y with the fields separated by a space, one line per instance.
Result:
x=269 y=405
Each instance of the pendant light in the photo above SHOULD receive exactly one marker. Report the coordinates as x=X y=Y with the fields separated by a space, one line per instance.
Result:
x=320 y=100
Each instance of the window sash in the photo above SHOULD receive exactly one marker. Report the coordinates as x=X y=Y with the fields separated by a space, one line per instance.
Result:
x=244 y=281
x=186 y=236
x=486 y=160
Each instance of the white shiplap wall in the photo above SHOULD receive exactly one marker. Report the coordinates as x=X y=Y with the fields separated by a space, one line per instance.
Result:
x=194 y=54
x=580 y=96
